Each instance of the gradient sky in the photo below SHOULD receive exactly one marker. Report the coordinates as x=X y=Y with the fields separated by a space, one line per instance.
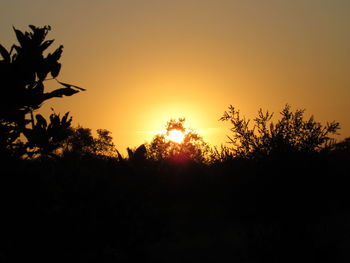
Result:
x=146 y=61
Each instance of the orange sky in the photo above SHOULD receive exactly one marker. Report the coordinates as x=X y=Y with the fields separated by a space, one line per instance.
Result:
x=146 y=61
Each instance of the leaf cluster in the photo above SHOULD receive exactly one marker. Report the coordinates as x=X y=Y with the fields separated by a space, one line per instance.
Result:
x=45 y=138
x=81 y=142
x=292 y=133
x=23 y=71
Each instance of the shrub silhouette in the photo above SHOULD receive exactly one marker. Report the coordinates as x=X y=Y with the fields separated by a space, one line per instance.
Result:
x=291 y=134
x=43 y=138
x=23 y=71
x=81 y=142
x=104 y=145
x=192 y=147
x=136 y=156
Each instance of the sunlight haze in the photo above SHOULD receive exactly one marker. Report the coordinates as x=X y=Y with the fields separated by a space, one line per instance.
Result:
x=146 y=62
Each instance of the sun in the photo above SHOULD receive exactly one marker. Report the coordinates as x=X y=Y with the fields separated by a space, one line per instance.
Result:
x=176 y=135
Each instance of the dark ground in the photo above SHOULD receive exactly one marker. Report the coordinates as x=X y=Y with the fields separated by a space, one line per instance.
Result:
x=107 y=211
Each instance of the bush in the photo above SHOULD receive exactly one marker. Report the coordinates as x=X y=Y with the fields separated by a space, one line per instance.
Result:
x=192 y=147
x=291 y=134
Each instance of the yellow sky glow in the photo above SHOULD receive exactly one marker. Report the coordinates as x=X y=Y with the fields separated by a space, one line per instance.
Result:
x=146 y=62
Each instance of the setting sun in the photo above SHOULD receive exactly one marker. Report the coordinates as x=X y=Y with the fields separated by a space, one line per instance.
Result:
x=176 y=135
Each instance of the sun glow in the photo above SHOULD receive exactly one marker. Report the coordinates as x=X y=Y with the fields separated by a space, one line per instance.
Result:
x=176 y=135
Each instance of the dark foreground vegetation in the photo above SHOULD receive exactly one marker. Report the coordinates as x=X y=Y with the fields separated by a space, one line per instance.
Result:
x=277 y=193
x=105 y=210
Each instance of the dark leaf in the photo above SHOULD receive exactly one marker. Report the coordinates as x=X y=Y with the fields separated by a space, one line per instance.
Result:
x=28 y=133
x=14 y=57
x=15 y=47
x=140 y=152
x=46 y=44
x=130 y=153
x=55 y=69
x=56 y=55
x=4 y=53
x=20 y=37
x=32 y=27
x=42 y=73
x=58 y=93
x=65 y=117
x=39 y=88
x=41 y=121
x=70 y=85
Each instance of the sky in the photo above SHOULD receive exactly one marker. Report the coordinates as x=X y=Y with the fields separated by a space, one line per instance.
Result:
x=144 y=62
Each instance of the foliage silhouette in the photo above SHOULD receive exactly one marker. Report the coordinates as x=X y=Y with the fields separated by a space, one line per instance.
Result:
x=222 y=154
x=43 y=138
x=23 y=71
x=135 y=209
x=89 y=204
x=291 y=134
x=192 y=148
x=343 y=146
x=104 y=145
x=139 y=155
x=81 y=142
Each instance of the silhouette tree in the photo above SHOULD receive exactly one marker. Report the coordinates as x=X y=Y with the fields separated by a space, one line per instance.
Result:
x=290 y=134
x=23 y=71
x=192 y=147
x=104 y=145
x=81 y=142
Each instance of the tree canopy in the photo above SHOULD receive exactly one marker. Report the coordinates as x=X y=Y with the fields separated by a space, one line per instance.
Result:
x=290 y=134
x=191 y=148
x=23 y=72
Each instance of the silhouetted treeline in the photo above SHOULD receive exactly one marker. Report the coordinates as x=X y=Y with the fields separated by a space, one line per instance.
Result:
x=93 y=209
x=277 y=193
